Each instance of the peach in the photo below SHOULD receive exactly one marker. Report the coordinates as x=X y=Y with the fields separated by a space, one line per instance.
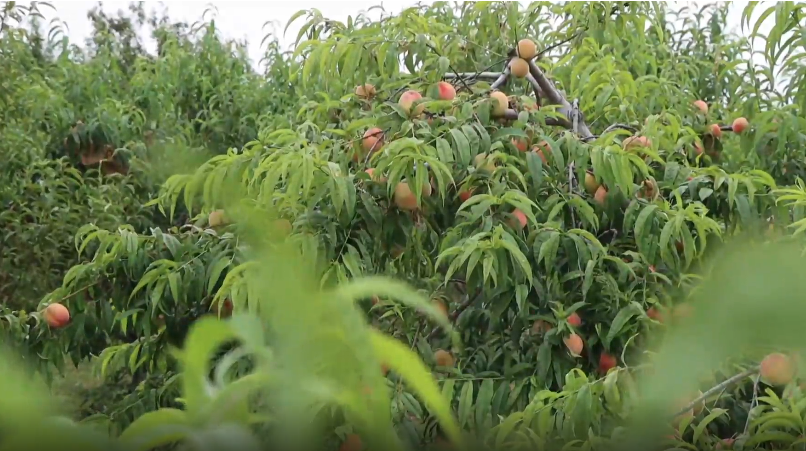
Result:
x=740 y=124
x=591 y=185
x=541 y=327
x=574 y=344
x=519 y=67
x=375 y=178
x=500 y=103
x=446 y=91
x=284 y=226
x=372 y=140
x=702 y=106
x=777 y=369
x=520 y=144
x=519 y=220
x=404 y=198
x=716 y=131
x=574 y=319
x=480 y=162
x=440 y=305
x=600 y=195
x=465 y=195
x=527 y=49
x=216 y=218
x=444 y=358
x=607 y=362
x=636 y=141
x=407 y=99
x=352 y=443
x=56 y=315
x=365 y=91
x=539 y=148
x=655 y=314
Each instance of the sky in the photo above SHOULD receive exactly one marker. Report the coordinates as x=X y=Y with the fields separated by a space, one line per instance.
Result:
x=248 y=19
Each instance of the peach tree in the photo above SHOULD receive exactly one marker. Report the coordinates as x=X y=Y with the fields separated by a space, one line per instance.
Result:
x=554 y=198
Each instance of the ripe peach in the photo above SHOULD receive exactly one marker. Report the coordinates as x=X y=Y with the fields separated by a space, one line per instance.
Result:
x=500 y=103
x=404 y=198
x=407 y=99
x=702 y=106
x=519 y=67
x=225 y=308
x=465 y=195
x=716 y=131
x=574 y=344
x=700 y=406
x=633 y=142
x=698 y=148
x=284 y=226
x=682 y=311
x=648 y=190
x=375 y=178
x=216 y=218
x=479 y=161
x=541 y=327
x=574 y=319
x=607 y=362
x=56 y=315
x=591 y=185
x=520 y=143
x=444 y=358
x=365 y=91
x=519 y=220
x=655 y=314
x=372 y=140
x=446 y=91
x=531 y=106
x=777 y=369
x=725 y=443
x=440 y=305
x=740 y=124
x=539 y=148
x=600 y=195
x=527 y=49
x=397 y=251
x=352 y=443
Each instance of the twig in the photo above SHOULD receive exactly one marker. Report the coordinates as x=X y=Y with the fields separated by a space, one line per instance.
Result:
x=473 y=75
x=717 y=388
x=433 y=49
x=753 y=403
x=459 y=310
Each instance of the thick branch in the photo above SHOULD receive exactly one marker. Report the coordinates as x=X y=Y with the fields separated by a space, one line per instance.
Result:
x=550 y=121
x=554 y=96
x=501 y=79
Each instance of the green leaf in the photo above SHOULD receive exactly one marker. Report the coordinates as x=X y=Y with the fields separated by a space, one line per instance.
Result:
x=158 y=428
x=408 y=365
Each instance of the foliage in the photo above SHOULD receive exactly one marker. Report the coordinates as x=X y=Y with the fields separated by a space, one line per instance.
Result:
x=307 y=230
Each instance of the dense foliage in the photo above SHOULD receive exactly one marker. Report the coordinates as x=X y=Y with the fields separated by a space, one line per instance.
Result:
x=551 y=245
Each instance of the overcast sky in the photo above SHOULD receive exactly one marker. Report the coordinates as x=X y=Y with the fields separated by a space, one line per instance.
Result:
x=246 y=19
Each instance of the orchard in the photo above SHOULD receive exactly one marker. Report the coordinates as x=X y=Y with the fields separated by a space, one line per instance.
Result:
x=477 y=224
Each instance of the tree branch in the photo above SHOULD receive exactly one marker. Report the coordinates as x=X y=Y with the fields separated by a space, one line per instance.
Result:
x=554 y=96
x=459 y=310
x=718 y=388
